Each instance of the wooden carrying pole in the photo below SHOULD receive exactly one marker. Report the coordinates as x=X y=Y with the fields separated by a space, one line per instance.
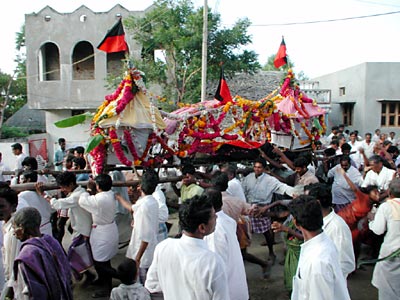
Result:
x=54 y=186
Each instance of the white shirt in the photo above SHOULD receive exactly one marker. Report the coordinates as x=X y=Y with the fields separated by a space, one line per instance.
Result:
x=104 y=234
x=339 y=232
x=10 y=251
x=186 y=269
x=235 y=189
x=384 y=221
x=145 y=228
x=368 y=148
x=341 y=191
x=33 y=199
x=224 y=242
x=162 y=204
x=261 y=189
x=4 y=167
x=81 y=219
x=101 y=206
x=318 y=275
x=18 y=161
x=381 y=180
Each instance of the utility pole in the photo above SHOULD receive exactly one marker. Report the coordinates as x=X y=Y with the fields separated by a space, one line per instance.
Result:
x=204 y=53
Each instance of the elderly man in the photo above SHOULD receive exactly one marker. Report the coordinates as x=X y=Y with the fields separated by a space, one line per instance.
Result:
x=379 y=175
x=386 y=276
x=259 y=188
x=41 y=268
x=342 y=194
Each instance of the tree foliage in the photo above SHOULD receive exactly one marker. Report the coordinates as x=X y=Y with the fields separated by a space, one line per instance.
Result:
x=13 y=87
x=175 y=26
x=269 y=66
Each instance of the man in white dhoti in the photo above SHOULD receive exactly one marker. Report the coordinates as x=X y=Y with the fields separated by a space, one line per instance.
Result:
x=386 y=276
x=185 y=268
x=81 y=222
x=104 y=234
x=224 y=242
x=145 y=226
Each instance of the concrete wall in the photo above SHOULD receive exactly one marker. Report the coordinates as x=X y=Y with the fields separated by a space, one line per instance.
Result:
x=364 y=84
x=65 y=30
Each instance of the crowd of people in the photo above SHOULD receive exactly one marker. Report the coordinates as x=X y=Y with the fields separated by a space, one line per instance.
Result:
x=324 y=203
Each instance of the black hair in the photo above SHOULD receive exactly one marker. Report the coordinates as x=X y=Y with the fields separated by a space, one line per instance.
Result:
x=16 y=146
x=30 y=161
x=368 y=189
x=31 y=175
x=376 y=159
x=301 y=162
x=104 y=182
x=306 y=210
x=335 y=128
x=188 y=169
x=8 y=194
x=215 y=197
x=80 y=161
x=194 y=212
x=220 y=181
x=66 y=178
x=127 y=271
x=149 y=182
x=261 y=161
x=345 y=158
x=61 y=140
x=345 y=147
x=322 y=192
x=392 y=149
x=80 y=149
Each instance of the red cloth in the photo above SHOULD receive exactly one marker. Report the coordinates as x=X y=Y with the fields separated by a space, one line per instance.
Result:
x=114 y=41
x=355 y=211
x=223 y=93
x=280 y=58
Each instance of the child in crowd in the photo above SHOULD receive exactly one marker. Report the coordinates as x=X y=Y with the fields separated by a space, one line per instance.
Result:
x=129 y=289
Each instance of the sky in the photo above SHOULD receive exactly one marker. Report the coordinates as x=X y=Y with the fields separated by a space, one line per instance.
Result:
x=316 y=49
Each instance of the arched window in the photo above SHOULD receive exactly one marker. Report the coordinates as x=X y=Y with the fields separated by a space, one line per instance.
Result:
x=115 y=63
x=83 y=61
x=49 y=62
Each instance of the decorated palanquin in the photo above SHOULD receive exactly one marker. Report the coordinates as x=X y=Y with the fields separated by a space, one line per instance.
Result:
x=128 y=128
x=286 y=117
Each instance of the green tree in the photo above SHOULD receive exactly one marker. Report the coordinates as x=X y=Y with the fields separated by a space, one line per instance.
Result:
x=175 y=26
x=13 y=87
x=269 y=65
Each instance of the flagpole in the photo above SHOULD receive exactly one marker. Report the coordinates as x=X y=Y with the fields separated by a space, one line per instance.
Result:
x=204 y=53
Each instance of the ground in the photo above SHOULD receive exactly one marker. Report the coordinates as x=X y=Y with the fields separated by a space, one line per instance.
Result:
x=359 y=283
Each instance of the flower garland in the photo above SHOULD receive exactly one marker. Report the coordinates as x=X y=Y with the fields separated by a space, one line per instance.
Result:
x=119 y=152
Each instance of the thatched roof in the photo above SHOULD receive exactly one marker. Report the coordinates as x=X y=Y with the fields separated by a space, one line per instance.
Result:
x=252 y=87
x=29 y=120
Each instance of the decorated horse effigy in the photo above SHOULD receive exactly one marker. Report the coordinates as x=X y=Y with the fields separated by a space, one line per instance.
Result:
x=127 y=127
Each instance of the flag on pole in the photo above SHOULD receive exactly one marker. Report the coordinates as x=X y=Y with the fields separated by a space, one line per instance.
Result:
x=281 y=58
x=223 y=94
x=114 y=41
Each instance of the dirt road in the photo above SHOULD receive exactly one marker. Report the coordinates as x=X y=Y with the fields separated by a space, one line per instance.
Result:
x=262 y=289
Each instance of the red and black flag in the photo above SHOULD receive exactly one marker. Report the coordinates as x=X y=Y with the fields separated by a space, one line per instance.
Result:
x=223 y=94
x=281 y=58
x=114 y=41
